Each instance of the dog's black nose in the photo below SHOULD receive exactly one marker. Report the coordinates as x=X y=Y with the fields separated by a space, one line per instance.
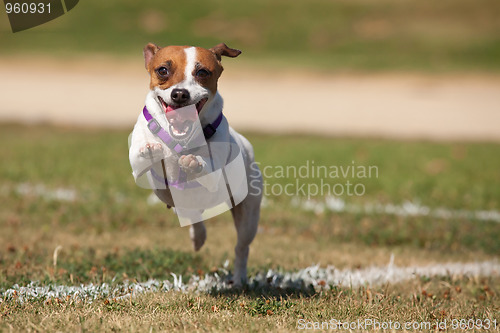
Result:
x=180 y=96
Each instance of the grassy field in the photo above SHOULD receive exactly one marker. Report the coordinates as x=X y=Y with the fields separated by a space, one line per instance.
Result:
x=71 y=214
x=109 y=233
x=347 y=34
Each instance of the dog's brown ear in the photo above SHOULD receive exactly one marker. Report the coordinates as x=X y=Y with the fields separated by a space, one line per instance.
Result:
x=223 y=50
x=149 y=52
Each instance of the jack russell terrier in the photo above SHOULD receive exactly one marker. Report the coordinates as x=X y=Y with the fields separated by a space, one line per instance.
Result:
x=192 y=158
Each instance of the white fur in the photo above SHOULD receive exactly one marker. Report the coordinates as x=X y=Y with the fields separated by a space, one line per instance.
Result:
x=190 y=64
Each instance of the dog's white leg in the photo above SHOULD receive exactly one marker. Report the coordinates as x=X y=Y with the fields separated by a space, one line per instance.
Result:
x=197 y=231
x=246 y=220
x=198 y=234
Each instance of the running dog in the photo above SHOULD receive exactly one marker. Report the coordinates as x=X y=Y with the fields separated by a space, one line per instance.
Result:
x=181 y=77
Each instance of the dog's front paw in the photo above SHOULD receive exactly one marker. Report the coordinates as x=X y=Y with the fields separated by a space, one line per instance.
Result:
x=190 y=163
x=151 y=150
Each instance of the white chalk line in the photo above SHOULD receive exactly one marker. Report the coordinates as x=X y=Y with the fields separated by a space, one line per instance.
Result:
x=313 y=276
x=318 y=206
x=408 y=208
x=319 y=278
x=41 y=191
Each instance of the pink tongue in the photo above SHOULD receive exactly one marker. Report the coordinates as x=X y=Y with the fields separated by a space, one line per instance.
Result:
x=169 y=108
x=171 y=114
x=181 y=114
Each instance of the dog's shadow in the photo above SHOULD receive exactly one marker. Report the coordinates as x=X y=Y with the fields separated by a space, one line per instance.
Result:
x=258 y=289
x=268 y=291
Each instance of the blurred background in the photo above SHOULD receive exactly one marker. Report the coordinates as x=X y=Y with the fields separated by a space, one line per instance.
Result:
x=345 y=35
x=409 y=86
x=379 y=68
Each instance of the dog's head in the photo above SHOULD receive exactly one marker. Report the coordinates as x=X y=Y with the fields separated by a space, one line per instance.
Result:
x=182 y=76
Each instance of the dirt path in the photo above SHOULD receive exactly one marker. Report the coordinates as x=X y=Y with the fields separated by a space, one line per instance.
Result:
x=99 y=92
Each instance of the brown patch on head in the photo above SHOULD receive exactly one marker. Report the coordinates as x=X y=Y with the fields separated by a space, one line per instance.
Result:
x=166 y=65
x=206 y=60
x=210 y=60
x=173 y=58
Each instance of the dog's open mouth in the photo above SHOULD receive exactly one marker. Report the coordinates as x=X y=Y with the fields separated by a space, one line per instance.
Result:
x=167 y=108
x=180 y=123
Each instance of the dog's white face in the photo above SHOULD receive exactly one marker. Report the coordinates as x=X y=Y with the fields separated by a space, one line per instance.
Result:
x=182 y=76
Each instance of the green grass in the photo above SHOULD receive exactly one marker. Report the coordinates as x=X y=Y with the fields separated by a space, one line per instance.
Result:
x=85 y=265
x=110 y=232
x=434 y=174
x=454 y=175
x=420 y=302
x=348 y=34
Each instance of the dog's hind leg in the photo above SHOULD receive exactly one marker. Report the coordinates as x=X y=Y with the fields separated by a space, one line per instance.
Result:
x=246 y=220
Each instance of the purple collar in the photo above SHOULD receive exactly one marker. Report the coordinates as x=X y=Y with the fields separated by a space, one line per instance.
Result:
x=155 y=128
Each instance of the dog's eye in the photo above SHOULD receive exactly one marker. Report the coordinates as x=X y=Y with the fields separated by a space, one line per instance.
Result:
x=202 y=73
x=162 y=72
